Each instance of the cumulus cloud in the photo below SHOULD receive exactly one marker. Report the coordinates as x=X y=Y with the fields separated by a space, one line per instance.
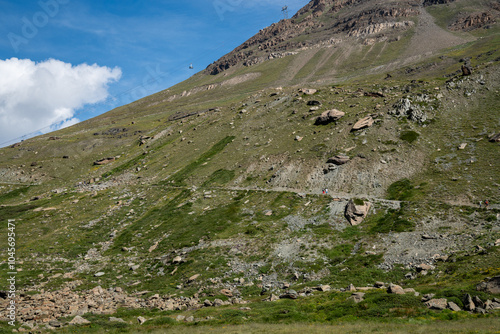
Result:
x=45 y=95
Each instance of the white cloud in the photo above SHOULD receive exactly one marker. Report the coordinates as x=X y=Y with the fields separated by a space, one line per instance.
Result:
x=45 y=95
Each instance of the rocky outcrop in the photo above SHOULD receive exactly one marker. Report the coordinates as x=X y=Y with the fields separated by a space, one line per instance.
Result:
x=355 y=214
x=474 y=21
x=412 y=111
x=329 y=116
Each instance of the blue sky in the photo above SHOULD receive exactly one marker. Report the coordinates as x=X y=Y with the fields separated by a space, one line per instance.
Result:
x=115 y=51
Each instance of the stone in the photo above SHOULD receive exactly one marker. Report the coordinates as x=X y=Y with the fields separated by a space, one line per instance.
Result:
x=190 y=319
x=454 y=307
x=495 y=138
x=55 y=323
x=411 y=290
x=423 y=266
x=492 y=286
x=298 y=138
x=339 y=160
x=207 y=303
x=468 y=303
x=291 y=294
x=113 y=319
x=329 y=116
x=180 y=318
x=141 y=320
x=272 y=298
x=99 y=274
x=395 y=289
x=357 y=297
x=363 y=123
x=226 y=292
x=355 y=214
x=193 y=278
x=177 y=260
x=104 y=161
x=413 y=112
x=313 y=103
x=379 y=285
x=478 y=302
x=324 y=288
x=218 y=302
x=437 y=304
x=427 y=297
x=466 y=70
x=351 y=288
x=462 y=146
x=308 y=91
x=78 y=320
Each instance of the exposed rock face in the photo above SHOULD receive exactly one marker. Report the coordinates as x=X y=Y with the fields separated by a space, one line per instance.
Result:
x=278 y=40
x=474 y=21
x=492 y=286
x=355 y=214
x=329 y=116
x=363 y=123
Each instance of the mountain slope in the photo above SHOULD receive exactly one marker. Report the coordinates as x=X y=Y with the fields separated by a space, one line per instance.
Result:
x=212 y=189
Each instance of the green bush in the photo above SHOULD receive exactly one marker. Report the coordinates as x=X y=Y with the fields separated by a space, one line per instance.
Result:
x=401 y=190
x=392 y=222
x=409 y=136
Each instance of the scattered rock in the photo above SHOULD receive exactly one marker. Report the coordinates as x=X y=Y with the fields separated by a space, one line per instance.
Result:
x=468 y=303
x=357 y=297
x=351 y=288
x=437 y=304
x=339 y=159
x=495 y=138
x=492 y=286
x=313 y=103
x=141 y=320
x=78 y=320
x=113 y=319
x=308 y=91
x=272 y=298
x=405 y=108
x=462 y=146
x=104 y=161
x=363 y=123
x=454 y=307
x=329 y=116
x=355 y=214
x=298 y=138
x=396 y=289
x=291 y=294
x=193 y=278
x=226 y=292
x=180 y=318
x=427 y=297
x=99 y=274
x=55 y=323
x=177 y=260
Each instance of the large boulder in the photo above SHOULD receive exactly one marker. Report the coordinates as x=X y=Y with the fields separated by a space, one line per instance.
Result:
x=491 y=286
x=355 y=214
x=329 y=116
x=363 y=123
x=437 y=304
x=395 y=289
